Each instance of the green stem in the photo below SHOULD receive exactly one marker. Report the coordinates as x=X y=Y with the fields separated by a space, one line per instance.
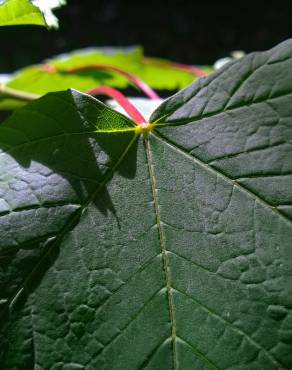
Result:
x=17 y=94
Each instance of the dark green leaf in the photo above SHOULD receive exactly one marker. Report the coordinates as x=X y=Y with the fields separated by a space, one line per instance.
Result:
x=164 y=250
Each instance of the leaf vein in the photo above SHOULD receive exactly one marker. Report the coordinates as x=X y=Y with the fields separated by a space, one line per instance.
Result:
x=163 y=249
x=37 y=207
x=152 y=354
x=67 y=227
x=199 y=354
x=235 y=328
x=141 y=309
x=217 y=172
x=220 y=111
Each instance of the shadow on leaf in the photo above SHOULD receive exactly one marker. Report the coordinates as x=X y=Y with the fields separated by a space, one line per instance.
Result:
x=54 y=163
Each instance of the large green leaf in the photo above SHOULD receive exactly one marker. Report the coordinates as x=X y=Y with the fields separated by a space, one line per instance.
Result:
x=19 y=12
x=168 y=249
x=161 y=74
x=36 y=79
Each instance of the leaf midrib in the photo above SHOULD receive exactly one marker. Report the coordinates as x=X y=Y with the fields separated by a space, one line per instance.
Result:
x=163 y=250
x=242 y=188
x=159 y=222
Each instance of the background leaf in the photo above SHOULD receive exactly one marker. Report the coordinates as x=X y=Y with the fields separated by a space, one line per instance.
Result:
x=38 y=80
x=18 y=12
x=25 y=12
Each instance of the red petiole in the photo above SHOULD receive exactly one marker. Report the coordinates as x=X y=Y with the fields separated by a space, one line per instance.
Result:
x=117 y=95
x=101 y=67
x=122 y=100
x=182 y=67
x=192 y=69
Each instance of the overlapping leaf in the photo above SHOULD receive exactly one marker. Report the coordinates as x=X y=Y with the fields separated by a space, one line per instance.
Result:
x=164 y=250
x=40 y=80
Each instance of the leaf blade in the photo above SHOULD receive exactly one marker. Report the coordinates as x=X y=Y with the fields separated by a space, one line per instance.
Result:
x=177 y=263
x=18 y=12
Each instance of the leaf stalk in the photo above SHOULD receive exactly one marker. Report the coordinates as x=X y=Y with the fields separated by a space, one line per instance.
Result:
x=122 y=100
x=141 y=85
x=17 y=94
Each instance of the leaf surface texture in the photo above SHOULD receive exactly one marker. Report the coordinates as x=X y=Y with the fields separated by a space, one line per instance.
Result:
x=170 y=250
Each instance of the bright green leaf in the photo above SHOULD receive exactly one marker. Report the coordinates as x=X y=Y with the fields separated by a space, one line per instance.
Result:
x=164 y=250
x=24 y=12
x=19 y=12
x=160 y=74
x=36 y=80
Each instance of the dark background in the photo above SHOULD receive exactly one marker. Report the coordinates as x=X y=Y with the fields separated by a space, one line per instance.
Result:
x=197 y=32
